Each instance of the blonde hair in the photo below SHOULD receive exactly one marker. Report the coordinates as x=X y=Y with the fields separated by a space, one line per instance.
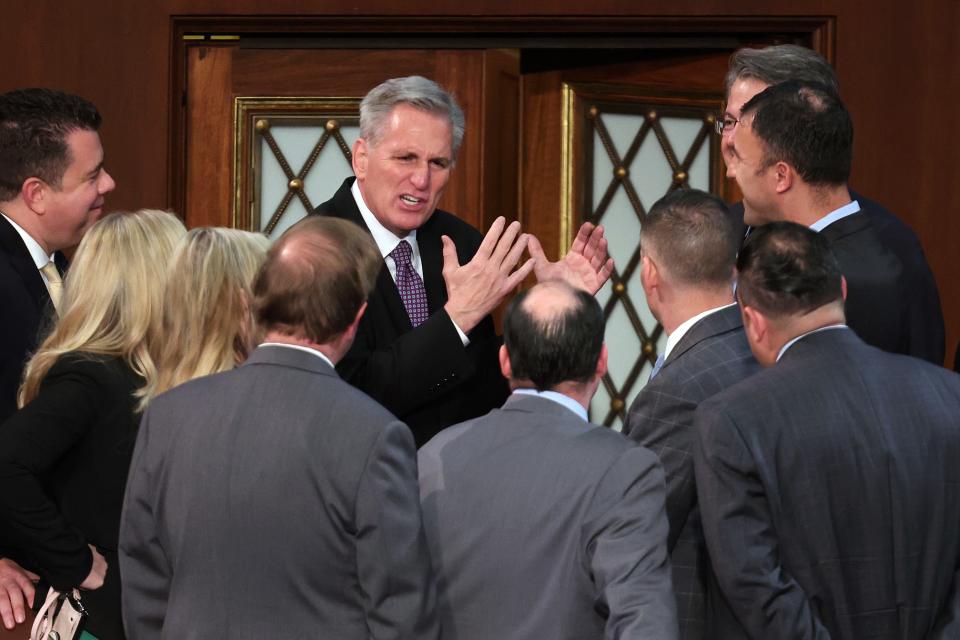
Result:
x=112 y=293
x=207 y=316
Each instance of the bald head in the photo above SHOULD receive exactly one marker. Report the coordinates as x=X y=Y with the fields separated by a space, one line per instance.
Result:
x=553 y=334
x=315 y=279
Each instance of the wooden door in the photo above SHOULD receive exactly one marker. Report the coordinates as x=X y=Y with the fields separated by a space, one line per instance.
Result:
x=228 y=87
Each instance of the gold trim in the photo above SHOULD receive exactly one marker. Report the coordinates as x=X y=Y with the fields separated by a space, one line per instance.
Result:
x=248 y=110
x=568 y=99
x=192 y=36
x=222 y=37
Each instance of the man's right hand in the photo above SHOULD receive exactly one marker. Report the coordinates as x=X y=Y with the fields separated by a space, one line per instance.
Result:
x=16 y=592
x=476 y=288
x=98 y=571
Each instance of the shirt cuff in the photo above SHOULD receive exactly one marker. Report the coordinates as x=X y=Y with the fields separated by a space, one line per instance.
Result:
x=463 y=337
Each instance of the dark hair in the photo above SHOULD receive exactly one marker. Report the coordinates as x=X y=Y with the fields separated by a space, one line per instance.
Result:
x=806 y=126
x=315 y=279
x=34 y=125
x=787 y=269
x=550 y=344
x=693 y=236
x=780 y=63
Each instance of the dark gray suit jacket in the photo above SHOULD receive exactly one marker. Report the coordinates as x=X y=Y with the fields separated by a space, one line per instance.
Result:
x=541 y=525
x=712 y=356
x=274 y=501
x=830 y=494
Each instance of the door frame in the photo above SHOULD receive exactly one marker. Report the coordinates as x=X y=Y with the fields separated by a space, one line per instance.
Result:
x=469 y=32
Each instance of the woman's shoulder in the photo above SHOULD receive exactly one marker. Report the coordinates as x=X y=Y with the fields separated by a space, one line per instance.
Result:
x=94 y=366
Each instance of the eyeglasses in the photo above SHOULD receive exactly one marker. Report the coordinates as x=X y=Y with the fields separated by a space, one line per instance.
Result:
x=726 y=122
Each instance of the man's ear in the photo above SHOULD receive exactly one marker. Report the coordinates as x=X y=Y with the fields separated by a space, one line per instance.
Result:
x=785 y=175
x=754 y=324
x=505 y=368
x=649 y=275
x=359 y=158
x=33 y=192
x=602 y=362
x=843 y=287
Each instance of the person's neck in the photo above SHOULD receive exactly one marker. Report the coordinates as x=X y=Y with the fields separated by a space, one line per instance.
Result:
x=330 y=350
x=814 y=203
x=17 y=211
x=794 y=326
x=687 y=303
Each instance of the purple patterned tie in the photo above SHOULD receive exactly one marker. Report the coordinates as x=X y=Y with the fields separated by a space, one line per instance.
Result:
x=409 y=284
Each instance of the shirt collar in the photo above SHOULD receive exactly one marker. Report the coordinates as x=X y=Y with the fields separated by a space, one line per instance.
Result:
x=298 y=347
x=783 y=349
x=559 y=398
x=848 y=209
x=386 y=240
x=685 y=326
x=40 y=258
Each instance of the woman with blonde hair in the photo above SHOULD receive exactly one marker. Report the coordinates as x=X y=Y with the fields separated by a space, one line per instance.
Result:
x=207 y=315
x=66 y=452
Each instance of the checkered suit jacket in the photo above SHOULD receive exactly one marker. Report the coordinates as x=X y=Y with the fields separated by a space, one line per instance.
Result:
x=711 y=356
x=830 y=496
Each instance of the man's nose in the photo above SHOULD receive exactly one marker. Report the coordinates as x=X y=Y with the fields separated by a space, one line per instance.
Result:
x=421 y=176
x=107 y=184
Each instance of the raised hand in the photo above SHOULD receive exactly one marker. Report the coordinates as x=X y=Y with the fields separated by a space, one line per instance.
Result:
x=586 y=266
x=476 y=288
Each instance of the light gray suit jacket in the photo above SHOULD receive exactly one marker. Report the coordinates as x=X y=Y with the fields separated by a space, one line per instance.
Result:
x=543 y=526
x=274 y=501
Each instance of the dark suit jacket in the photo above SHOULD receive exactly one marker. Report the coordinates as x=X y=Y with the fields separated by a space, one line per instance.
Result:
x=712 y=356
x=274 y=501
x=425 y=375
x=828 y=488
x=24 y=308
x=541 y=525
x=63 y=468
x=918 y=314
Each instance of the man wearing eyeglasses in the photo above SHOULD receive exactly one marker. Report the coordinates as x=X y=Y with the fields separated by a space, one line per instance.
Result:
x=753 y=70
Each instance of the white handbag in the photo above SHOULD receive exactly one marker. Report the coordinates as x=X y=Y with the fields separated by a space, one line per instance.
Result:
x=60 y=618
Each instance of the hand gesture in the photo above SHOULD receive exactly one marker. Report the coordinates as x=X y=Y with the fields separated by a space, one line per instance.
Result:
x=16 y=592
x=476 y=288
x=98 y=571
x=586 y=266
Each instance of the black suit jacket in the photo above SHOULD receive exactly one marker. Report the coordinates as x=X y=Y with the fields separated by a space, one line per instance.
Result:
x=425 y=376
x=919 y=316
x=712 y=356
x=63 y=469
x=24 y=308
x=828 y=489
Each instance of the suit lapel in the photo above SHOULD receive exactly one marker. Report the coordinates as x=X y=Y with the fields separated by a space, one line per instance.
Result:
x=22 y=263
x=722 y=321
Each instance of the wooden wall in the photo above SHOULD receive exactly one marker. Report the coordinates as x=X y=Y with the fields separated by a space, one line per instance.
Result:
x=896 y=62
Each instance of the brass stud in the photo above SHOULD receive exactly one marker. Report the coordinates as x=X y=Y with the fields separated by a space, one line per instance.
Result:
x=680 y=176
x=711 y=119
x=262 y=125
x=621 y=172
x=296 y=184
x=616 y=404
x=651 y=115
x=619 y=288
x=647 y=348
x=592 y=112
x=332 y=125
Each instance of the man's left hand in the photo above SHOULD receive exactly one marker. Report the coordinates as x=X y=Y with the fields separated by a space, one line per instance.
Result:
x=586 y=266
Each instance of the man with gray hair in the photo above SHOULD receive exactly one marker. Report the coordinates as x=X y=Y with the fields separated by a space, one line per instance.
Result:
x=540 y=524
x=427 y=347
x=688 y=246
x=753 y=70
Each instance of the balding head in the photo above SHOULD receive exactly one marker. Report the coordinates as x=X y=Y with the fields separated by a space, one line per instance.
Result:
x=553 y=334
x=315 y=279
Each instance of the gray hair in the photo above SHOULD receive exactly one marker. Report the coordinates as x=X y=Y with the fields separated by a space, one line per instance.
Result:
x=780 y=63
x=416 y=91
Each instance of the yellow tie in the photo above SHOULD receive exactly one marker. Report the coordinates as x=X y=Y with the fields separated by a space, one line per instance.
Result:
x=54 y=283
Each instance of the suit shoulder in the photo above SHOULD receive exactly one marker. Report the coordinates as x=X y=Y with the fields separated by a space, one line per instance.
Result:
x=445 y=223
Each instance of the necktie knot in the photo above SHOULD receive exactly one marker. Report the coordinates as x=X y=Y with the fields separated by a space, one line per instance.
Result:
x=54 y=283
x=401 y=253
